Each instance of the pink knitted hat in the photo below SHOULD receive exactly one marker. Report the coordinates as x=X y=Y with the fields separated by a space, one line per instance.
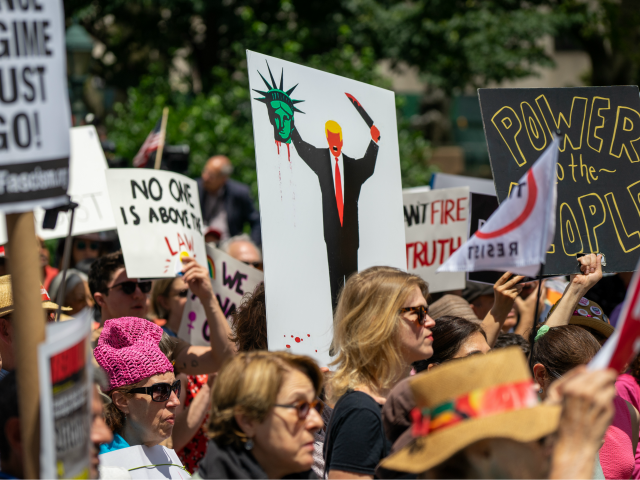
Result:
x=128 y=351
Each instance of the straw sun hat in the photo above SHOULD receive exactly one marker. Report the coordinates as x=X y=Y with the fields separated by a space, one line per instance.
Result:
x=6 y=298
x=464 y=401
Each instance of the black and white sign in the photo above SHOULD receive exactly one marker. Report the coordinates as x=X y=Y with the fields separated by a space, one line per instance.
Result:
x=34 y=106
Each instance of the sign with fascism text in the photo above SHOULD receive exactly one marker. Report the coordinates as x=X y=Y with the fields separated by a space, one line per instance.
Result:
x=518 y=234
x=34 y=106
x=435 y=225
x=598 y=172
x=159 y=220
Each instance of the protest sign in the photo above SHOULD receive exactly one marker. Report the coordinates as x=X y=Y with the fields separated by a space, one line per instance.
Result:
x=598 y=173
x=476 y=185
x=518 y=234
x=64 y=361
x=330 y=193
x=481 y=207
x=230 y=279
x=142 y=462
x=34 y=106
x=435 y=227
x=158 y=219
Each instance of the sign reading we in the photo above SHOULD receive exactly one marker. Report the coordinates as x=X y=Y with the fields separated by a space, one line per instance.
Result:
x=598 y=173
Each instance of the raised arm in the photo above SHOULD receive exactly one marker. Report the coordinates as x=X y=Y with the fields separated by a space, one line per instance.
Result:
x=311 y=155
x=505 y=291
x=197 y=360
x=591 y=273
x=189 y=419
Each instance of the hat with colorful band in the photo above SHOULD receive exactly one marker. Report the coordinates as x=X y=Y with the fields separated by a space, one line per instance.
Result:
x=6 y=297
x=462 y=402
x=588 y=313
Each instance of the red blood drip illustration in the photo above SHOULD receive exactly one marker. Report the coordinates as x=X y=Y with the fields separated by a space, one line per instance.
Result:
x=308 y=335
x=278 y=145
x=297 y=339
x=289 y=346
x=288 y=153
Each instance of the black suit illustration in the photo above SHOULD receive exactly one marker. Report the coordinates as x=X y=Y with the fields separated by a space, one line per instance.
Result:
x=343 y=240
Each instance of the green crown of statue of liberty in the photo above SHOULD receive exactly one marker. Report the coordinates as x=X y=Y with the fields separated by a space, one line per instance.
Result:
x=280 y=105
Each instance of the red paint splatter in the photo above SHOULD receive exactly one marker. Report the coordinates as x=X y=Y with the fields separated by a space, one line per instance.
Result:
x=289 y=346
x=308 y=335
x=288 y=153
x=291 y=336
x=278 y=145
x=297 y=339
x=284 y=335
x=316 y=351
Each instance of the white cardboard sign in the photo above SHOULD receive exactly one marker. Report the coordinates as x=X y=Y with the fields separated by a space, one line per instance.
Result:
x=230 y=279
x=34 y=106
x=142 y=462
x=158 y=219
x=435 y=227
x=309 y=245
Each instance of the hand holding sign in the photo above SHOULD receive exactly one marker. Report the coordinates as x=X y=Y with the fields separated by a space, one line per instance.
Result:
x=197 y=277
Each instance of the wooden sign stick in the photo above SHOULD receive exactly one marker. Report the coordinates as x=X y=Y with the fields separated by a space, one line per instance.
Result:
x=28 y=324
x=163 y=131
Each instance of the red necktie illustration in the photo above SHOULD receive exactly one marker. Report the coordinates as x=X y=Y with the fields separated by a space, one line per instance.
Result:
x=339 y=192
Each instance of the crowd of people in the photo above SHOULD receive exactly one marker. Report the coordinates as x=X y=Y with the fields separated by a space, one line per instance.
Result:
x=466 y=384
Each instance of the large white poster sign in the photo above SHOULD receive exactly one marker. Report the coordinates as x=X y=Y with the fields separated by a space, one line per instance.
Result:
x=34 y=106
x=435 y=226
x=519 y=233
x=159 y=220
x=64 y=363
x=330 y=193
x=230 y=279
x=87 y=187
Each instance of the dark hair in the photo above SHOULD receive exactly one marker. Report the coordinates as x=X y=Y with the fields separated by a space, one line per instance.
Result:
x=449 y=333
x=510 y=339
x=8 y=409
x=102 y=270
x=249 y=322
x=634 y=369
x=563 y=348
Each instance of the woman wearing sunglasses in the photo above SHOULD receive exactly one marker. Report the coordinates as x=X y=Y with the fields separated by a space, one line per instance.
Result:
x=381 y=326
x=264 y=416
x=168 y=298
x=143 y=389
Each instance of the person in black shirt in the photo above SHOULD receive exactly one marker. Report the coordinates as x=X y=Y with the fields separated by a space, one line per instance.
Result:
x=381 y=326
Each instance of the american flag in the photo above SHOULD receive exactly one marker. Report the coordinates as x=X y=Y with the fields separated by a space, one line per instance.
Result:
x=150 y=145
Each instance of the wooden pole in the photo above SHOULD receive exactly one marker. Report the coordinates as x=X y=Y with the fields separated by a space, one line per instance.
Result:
x=28 y=324
x=163 y=131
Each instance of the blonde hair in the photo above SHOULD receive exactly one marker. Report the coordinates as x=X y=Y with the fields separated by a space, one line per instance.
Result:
x=160 y=289
x=333 y=127
x=249 y=385
x=365 y=329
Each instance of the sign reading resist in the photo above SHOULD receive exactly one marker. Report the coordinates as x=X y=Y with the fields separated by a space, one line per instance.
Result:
x=598 y=172
x=230 y=279
x=34 y=106
x=158 y=219
x=435 y=225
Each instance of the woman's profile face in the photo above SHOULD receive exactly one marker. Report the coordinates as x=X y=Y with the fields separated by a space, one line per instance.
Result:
x=176 y=298
x=283 y=443
x=152 y=421
x=416 y=340
x=474 y=343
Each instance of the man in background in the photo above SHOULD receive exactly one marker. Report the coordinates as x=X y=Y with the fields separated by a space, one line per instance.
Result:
x=243 y=249
x=226 y=204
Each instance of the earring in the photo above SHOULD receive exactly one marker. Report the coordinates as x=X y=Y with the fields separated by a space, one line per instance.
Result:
x=540 y=391
x=248 y=445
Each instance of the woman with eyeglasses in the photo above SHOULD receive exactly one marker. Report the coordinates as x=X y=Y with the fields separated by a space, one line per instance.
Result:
x=144 y=393
x=381 y=326
x=557 y=350
x=265 y=411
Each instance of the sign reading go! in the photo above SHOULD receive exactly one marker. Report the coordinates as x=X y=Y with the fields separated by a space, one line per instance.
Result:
x=598 y=172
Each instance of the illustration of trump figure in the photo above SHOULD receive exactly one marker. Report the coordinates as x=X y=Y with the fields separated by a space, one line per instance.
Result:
x=340 y=176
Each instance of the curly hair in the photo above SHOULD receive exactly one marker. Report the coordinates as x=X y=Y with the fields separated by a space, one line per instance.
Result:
x=102 y=271
x=249 y=322
x=249 y=385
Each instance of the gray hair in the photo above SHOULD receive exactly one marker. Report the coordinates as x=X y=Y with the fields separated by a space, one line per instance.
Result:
x=243 y=237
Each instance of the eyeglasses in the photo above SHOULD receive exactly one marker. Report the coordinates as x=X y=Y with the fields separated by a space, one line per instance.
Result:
x=183 y=293
x=159 y=392
x=130 y=286
x=420 y=310
x=81 y=245
x=257 y=265
x=303 y=407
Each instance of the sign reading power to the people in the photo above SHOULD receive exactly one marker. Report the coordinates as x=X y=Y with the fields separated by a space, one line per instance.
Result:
x=598 y=172
x=34 y=105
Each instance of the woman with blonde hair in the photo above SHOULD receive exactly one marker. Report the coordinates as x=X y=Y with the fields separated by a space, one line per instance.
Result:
x=381 y=327
x=265 y=411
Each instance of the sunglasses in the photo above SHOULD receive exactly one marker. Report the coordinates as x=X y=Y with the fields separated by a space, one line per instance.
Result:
x=129 y=287
x=81 y=245
x=257 y=265
x=421 y=311
x=303 y=407
x=159 y=392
